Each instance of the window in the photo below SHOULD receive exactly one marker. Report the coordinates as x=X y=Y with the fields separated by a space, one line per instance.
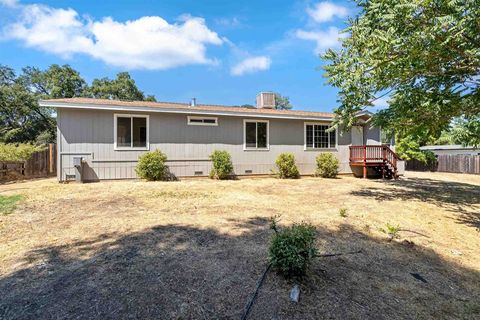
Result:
x=131 y=132
x=317 y=136
x=255 y=135
x=202 y=121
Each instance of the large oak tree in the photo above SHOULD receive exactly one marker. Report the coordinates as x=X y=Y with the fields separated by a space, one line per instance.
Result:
x=424 y=55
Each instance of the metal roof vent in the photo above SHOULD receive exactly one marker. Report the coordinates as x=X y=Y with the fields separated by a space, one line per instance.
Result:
x=266 y=100
x=193 y=102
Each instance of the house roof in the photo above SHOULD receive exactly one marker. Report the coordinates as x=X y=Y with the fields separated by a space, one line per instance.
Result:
x=173 y=107
x=447 y=147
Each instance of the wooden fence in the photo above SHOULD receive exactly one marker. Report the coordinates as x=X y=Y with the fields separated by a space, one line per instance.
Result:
x=459 y=163
x=449 y=163
x=41 y=164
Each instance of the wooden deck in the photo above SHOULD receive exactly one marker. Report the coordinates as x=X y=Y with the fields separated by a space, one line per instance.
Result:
x=379 y=157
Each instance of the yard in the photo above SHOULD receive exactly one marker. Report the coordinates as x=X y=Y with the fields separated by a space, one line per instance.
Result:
x=195 y=249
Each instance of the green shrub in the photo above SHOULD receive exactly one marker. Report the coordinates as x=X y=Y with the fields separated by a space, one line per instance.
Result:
x=287 y=169
x=292 y=249
x=151 y=166
x=343 y=212
x=392 y=230
x=222 y=165
x=17 y=152
x=327 y=165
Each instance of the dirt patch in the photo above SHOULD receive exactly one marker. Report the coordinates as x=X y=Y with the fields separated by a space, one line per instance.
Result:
x=194 y=249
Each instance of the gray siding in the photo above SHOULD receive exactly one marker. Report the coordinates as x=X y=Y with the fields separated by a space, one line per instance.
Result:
x=89 y=133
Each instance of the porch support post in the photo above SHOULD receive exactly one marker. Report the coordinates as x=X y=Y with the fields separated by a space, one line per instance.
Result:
x=364 y=161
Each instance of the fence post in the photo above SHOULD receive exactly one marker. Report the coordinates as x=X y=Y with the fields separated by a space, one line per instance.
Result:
x=50 y=158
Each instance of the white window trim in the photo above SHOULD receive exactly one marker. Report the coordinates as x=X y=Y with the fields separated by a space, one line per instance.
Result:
x=316 y=149
x=201 y=118
x=245 y=121
x=131 y=116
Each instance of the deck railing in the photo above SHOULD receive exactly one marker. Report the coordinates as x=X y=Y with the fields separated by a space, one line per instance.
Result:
x=373 y=153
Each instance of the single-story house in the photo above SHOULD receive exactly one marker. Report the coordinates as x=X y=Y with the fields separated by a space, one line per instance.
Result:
x=110 y=136
x=452 y=149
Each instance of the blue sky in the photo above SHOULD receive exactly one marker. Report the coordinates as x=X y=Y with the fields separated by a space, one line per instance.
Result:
x=221 y=52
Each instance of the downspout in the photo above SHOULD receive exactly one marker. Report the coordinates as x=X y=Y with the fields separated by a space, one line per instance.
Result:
x=59 y=149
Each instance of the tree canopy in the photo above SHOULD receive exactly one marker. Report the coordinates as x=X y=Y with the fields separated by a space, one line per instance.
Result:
x=282 y=102
x=23 y=120
x=424 y=55
x=121 y=88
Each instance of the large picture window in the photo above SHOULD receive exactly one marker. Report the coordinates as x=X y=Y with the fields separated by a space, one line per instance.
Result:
x=256 y=135
x=131 y=132
x=317 y=136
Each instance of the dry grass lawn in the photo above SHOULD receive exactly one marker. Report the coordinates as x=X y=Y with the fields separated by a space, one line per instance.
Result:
x=194 y=249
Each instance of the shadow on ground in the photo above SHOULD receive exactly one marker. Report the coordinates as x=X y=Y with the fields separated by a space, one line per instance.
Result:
x=453 y=196
x=181 y=272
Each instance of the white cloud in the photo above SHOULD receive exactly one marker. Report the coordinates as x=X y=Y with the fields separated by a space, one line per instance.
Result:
x=146 y=43
x=9 y=3
x=324 y=39
x=326 y=11
x=251 y=65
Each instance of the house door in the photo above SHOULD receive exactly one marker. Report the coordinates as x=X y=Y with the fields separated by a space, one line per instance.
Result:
x=357 y=136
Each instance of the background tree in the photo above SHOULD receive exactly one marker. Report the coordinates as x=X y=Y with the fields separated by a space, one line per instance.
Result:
x=21 y=119
x=55 y=82
x=121 y=88
x=282 y=102
x=424 y=55
x=466 y=131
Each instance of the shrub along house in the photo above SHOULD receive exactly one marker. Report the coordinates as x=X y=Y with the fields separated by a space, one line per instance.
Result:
x=110 y=135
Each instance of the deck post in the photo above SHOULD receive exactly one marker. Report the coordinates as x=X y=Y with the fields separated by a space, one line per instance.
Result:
x=364 y=161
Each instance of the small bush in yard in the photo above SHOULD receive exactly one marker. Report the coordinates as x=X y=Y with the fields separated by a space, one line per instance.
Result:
x=287 y=169
x=222 y=165
x=151 y=166
x=327 y=165
x=292 y=249
x=391 y=231
x=343 y=212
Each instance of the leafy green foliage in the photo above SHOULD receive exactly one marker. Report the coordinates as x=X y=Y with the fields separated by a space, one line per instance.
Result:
x=327 y=165
x=408 y=148
x=282 y=102
x=424 y=55
x=392 y=231
x=222 y=165
x=17 y=152
x=287 y=169
x=152 y=166
x=121 y=88
x=9 y=203
x=466 y=131
x=292 y=249
x=343 y=212
x=55 y=82
x=23 y=120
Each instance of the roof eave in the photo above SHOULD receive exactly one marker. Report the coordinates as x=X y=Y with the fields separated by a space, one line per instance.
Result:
x=92 y=106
